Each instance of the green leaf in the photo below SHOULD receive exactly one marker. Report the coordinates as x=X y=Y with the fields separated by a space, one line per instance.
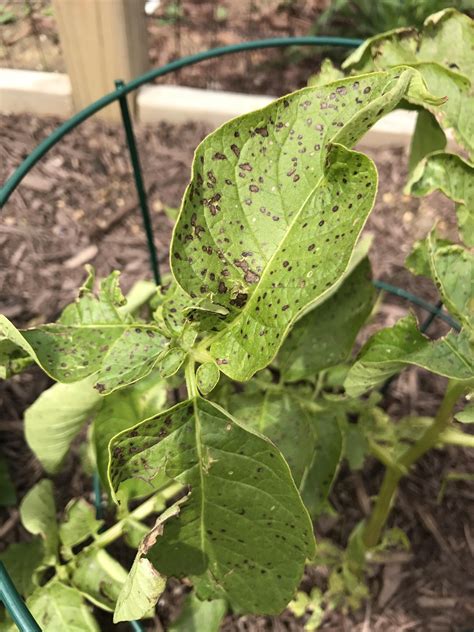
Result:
x=124 y=409
x=198 y=615
x=56 y=417
x=98 y=577
x=325 y=336
x=69 y=353
x=455 y=178
x=466 y=416
x=327 y=74
x=427 y=137
x=321 y=472
x=121 y=352
x=304 y=604
x=91 y=309
x=418 y=261
x=7 y=489
x=22 y=560
x=389 y=350
x=38 y=516
x=228 y=537
x=59 y=607
x=452 y=269
x=296 y=201
x=13 y=359
x=131 y=357
x=79 y=523
x=133 y=532
x=140 y=293
x=445 y=37
x=442 y=52
x=171 y=361
x=207 y=377
x=283 y=419
x=143 y=585
x=449 y=35
x=142 y=589
x=355 y=446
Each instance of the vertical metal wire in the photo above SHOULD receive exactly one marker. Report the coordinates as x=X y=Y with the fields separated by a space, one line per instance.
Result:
x=430 y=318
x=15 y=605
x=140 y=187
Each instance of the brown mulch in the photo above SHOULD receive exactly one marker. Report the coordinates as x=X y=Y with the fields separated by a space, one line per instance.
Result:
x=78 y=205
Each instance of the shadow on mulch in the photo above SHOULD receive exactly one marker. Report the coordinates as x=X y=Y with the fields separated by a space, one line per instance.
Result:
x=78 y=206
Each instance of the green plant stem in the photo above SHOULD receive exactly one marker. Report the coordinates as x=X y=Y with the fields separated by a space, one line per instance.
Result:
x=389 y=487
x=191 y=386
x=142 y=511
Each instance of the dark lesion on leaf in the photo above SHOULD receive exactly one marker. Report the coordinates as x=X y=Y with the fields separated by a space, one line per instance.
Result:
x=250 y=276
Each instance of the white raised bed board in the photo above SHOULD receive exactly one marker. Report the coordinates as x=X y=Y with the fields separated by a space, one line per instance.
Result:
x=35 y=92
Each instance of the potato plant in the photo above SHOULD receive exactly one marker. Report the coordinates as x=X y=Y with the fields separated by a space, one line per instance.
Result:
x=223 y=402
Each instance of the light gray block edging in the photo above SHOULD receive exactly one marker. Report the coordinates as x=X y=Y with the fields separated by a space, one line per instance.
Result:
x=35 y=92
x=50 y=93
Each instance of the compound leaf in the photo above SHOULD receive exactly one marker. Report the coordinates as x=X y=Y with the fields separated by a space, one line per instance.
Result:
x=389 y=350
x=131 y=357
x=325 y=336
x=239 y=484
x=275 y=207
x=59 y=413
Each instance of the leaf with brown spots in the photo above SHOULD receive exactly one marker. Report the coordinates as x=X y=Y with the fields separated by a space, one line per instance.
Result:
x=122 y=410
x=442 y=53
x=325 y=336
x=144 y=585
x=390 y=350
x=266 y=272
x=455 y=178
x=243 y=527
x=451 y=267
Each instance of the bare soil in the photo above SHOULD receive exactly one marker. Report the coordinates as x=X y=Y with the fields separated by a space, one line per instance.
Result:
x=79 y=206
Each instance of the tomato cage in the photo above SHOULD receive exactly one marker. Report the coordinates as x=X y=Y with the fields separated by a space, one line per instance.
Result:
x=10 y=597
